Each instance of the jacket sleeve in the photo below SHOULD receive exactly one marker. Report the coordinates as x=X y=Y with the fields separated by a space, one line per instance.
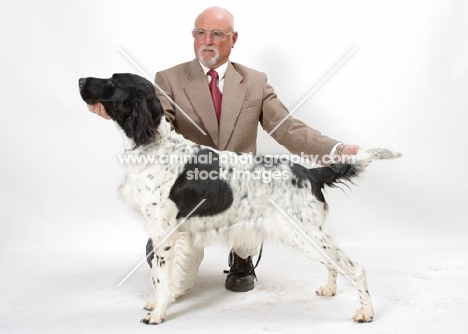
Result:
x=293 y=134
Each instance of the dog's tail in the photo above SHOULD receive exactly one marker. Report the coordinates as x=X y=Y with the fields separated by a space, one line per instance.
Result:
x=376 y=153
x=355 y=165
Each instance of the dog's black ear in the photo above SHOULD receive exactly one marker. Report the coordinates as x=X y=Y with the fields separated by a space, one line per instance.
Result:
x=145 y=118
x=141 y=122
x=155 y=108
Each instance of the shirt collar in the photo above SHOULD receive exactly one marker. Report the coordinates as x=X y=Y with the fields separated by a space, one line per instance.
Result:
x=221 y=70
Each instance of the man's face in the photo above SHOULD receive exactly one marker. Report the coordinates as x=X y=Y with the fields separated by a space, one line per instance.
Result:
x=212 y=53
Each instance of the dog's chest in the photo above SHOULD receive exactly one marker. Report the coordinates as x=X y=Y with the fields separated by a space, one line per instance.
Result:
x=147 y=185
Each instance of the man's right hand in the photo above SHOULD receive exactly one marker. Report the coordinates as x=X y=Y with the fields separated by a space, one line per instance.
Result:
x=98 y=109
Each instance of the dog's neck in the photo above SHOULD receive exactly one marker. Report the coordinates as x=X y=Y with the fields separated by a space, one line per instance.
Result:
x=163 y=130
x=128 y=143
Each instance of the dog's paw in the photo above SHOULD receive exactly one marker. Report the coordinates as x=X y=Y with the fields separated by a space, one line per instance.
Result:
x=326 y=291
x=150 y=304
x=363 y=315
x=152 y=319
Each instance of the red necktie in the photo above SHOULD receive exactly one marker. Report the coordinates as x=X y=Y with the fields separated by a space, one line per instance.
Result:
x=215 y=93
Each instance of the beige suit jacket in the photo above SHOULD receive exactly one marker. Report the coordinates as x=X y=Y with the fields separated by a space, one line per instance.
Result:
x=247 y=100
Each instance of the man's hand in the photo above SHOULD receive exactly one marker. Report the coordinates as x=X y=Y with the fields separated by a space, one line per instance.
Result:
x=98 y=109
x=349 y=150
x=345 y=152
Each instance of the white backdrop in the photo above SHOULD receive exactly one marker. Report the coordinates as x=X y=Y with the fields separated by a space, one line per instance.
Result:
x=404 y=87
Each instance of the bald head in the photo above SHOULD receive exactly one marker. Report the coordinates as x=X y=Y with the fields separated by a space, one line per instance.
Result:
x=219 y=14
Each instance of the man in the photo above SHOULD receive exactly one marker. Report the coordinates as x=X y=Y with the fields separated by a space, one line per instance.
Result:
x=229 y=120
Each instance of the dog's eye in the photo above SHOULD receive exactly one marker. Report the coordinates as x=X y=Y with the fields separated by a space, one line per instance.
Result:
x=110 y=83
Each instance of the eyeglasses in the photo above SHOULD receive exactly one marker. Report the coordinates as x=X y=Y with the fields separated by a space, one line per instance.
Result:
x=216 y=35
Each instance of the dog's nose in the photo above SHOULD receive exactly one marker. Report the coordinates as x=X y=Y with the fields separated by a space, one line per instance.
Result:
x=81 y=82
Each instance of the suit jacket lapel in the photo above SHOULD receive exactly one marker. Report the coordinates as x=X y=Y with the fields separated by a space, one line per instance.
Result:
x=233 y=98
x=199 y=96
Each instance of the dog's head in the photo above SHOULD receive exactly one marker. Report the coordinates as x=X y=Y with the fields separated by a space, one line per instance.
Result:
x=130 y=100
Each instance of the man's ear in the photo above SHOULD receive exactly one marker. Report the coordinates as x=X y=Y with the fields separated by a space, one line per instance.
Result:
x=235 y=35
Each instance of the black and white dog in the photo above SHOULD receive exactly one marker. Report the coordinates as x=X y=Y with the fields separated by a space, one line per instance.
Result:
x=188 y=194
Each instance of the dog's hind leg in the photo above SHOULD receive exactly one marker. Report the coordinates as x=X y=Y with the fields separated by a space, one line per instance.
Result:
x=336 y=261
x=356 y=274
x=329 y=289
x=318 y=245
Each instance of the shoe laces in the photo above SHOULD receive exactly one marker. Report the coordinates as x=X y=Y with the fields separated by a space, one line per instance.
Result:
x=239 y=265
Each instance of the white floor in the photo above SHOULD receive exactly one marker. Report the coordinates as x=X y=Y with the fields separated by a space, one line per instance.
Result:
x=419 y=290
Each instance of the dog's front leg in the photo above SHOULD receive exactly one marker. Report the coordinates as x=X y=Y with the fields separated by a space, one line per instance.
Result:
x=162 y=277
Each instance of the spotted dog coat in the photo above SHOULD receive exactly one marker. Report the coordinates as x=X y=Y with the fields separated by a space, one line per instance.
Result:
x=183 y=213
